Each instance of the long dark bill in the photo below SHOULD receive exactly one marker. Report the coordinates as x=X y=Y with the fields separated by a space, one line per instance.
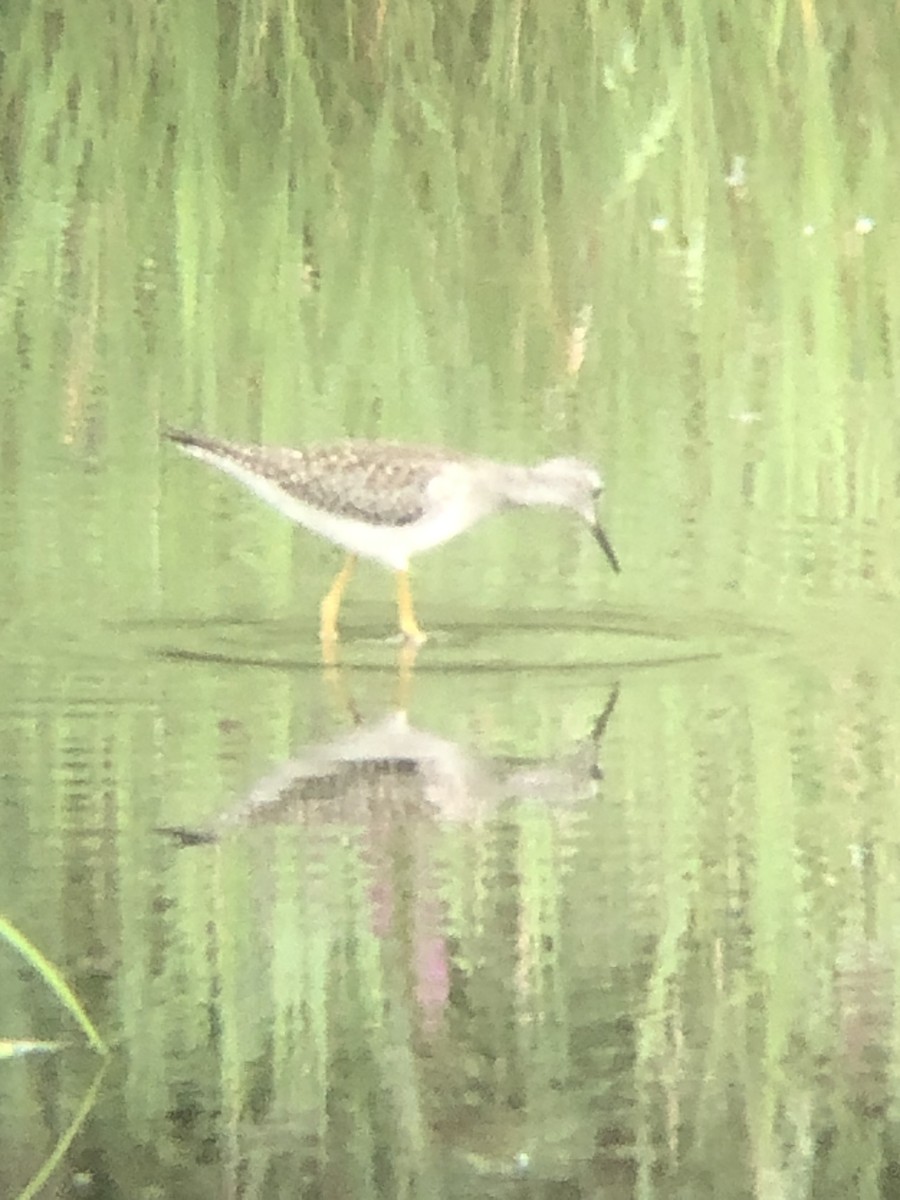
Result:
x=604 y=543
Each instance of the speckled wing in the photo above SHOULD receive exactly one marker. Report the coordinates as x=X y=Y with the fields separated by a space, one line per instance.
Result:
x=380 y=482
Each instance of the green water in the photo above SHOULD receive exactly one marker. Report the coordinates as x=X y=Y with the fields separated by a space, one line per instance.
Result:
x=599 y=895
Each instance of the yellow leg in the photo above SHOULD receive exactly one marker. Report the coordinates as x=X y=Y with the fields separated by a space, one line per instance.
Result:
x=406 y=661
x=331 y=604
x=408 y=623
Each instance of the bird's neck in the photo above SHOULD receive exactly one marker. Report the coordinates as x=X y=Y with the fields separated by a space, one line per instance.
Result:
x=520 y=486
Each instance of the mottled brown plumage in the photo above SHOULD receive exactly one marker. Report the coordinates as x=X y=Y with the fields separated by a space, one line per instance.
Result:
x=389 y=501
x=378 y=481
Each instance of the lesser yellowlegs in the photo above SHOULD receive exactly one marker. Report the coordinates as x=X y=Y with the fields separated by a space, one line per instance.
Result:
x=389 y=501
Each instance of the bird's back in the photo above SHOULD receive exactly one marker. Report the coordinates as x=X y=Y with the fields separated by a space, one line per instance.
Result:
x=374 y=481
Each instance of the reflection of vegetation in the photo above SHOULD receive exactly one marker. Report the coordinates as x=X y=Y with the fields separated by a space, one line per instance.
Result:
x=64 y=1141
x=54 y=981
x=35 y=1186
x=10 y=1048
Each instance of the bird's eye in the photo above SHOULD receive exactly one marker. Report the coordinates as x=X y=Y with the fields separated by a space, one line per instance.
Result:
x=597 y=491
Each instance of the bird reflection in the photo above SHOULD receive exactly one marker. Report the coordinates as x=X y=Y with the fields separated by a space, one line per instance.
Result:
x=389 y=766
